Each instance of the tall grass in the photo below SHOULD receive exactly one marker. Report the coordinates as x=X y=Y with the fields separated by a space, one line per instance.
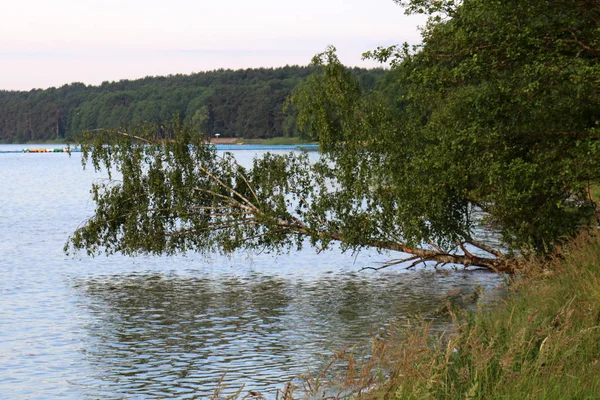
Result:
x=542 y=342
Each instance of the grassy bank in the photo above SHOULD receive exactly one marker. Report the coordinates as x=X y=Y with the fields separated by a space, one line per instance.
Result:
x=542 y=342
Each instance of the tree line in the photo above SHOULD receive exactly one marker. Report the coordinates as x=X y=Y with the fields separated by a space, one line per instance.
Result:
x=246 y=103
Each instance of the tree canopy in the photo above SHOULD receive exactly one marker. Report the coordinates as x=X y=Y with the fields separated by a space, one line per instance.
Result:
x=246 y=103
x=491 y=125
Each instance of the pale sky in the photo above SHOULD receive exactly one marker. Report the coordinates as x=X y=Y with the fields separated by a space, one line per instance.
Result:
x=47 y=43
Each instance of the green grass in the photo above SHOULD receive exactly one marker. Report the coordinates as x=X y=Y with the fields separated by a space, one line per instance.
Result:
x=542 y=342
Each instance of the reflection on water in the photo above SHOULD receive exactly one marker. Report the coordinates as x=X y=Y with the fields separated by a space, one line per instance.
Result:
x=176 y=335
x=148 y=327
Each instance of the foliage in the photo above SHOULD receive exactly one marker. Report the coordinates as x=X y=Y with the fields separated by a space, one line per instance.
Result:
x=175 y=194
x=502 y=98
x=491 y=122
x=244 y=103
x=504 y=95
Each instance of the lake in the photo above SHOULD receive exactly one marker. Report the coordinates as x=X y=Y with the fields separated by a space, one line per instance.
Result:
x=145 y=327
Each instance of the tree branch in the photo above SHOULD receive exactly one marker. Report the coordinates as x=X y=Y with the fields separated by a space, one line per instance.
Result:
x=391 y=263
x=227 y=187
x=579 y=43
x=485 y=247
x=228 y=199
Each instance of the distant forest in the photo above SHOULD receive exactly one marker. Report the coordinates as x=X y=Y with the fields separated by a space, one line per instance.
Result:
x=242 y=103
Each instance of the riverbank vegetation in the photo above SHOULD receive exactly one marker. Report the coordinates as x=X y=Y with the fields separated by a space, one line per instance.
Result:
x=542 y=341
x=242 y=103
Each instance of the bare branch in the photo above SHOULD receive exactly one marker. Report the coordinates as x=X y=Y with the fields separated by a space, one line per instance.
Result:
x=230 y=213
x=233 y=224
x=247 y=183
x=227 y=187
x=228 y=199
x=484 y=247
x=390 y=263
x=464 y=250
x=419 y=261
x=579 y=43
x=215 y=208
x=439 y=249
x=494 y=264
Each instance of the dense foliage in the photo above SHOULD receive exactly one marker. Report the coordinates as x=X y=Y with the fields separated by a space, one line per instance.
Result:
x=243 y=103
x=505 y=96
x=493 y=121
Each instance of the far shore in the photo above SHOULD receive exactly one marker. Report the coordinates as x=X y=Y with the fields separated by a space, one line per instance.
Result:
x=272 y=141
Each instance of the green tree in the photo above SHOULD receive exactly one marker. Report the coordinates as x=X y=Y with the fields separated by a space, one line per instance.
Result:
x=491 y=123
x=505 y=94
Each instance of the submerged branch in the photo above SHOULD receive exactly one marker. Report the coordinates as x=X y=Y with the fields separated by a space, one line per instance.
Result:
x=391 y=263
x=499 y=263
x=495 y=264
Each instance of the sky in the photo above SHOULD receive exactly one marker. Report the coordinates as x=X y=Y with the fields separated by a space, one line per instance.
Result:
x=46 y=43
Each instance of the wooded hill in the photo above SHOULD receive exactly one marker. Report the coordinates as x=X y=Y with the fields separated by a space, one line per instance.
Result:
x=242 y=103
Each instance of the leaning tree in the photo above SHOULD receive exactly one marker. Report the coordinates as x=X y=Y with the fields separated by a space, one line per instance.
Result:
x=490 y=125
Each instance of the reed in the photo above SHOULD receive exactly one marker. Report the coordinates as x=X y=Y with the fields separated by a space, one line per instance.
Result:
x=541 y=342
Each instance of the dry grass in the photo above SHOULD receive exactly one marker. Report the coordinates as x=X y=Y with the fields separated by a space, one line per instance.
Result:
x=541 y=342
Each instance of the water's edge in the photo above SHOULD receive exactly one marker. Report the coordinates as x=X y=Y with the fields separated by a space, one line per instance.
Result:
x=119 y=327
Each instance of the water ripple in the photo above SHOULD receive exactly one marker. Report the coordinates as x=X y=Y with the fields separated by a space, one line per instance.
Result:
x=163 y=333
x=119 y=327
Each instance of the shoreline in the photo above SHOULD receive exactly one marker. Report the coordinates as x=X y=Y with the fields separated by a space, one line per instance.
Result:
x=229 y=141
x=541 y=341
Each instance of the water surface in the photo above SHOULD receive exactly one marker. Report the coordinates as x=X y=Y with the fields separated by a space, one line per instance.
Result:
x=119 y=327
